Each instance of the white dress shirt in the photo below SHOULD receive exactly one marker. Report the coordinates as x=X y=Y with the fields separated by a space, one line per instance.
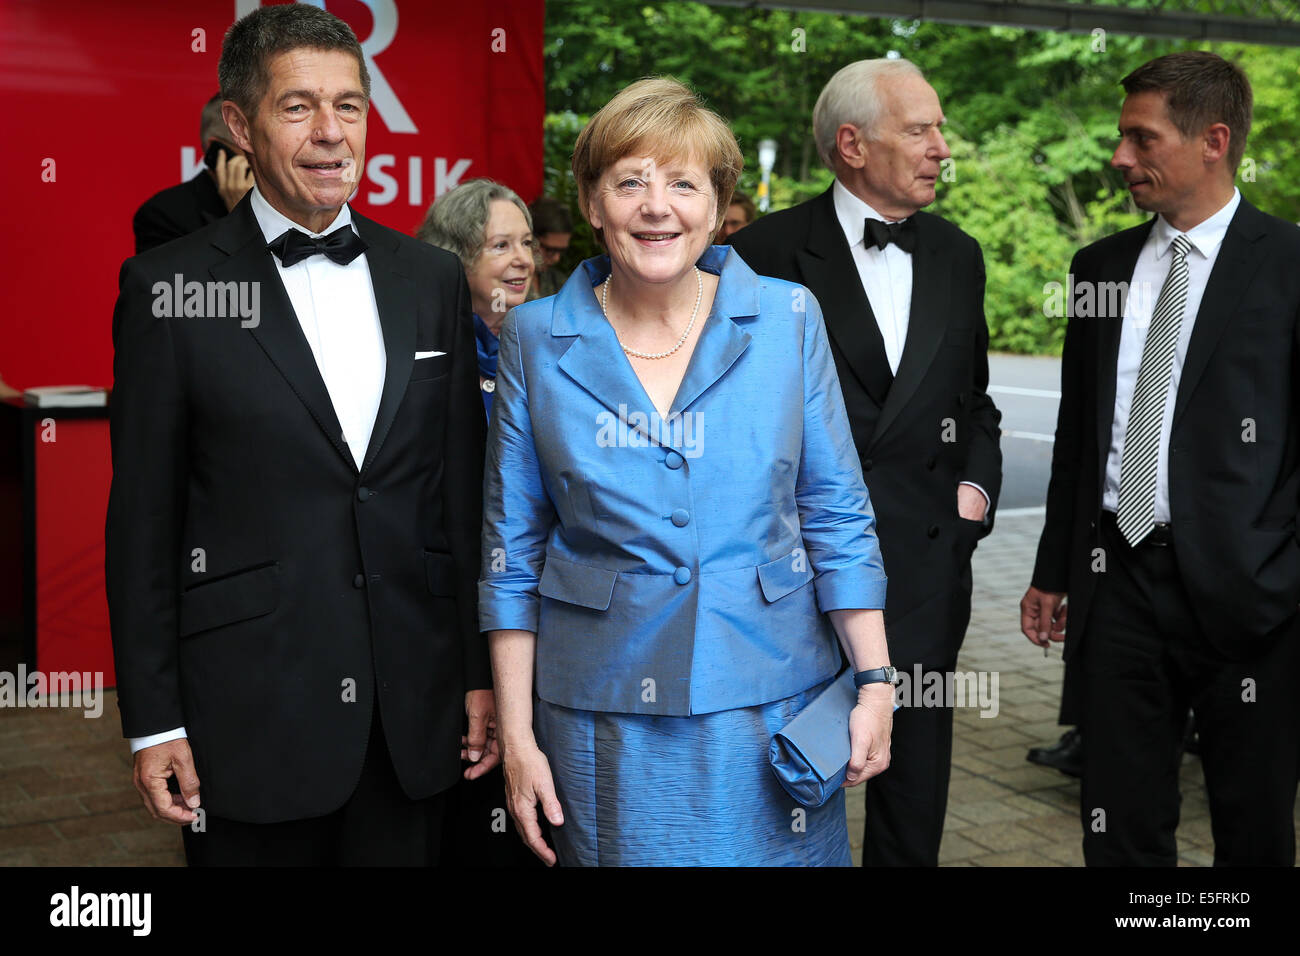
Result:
x=1144 y=290
x=335 y=305
x=336 y=308
x=886 y=276
x=886 y=273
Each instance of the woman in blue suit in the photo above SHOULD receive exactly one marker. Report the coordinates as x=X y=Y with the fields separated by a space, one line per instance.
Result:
x=675 y=525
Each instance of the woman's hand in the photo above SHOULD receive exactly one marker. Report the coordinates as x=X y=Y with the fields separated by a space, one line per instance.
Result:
x=529 y=783
x=870 y=723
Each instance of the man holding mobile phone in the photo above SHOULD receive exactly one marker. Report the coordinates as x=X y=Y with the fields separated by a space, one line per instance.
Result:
x=179 y=210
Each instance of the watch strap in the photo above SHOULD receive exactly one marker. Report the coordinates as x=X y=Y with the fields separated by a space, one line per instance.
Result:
x=877 y=675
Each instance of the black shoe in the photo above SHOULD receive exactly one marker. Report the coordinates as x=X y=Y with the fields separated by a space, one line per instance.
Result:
x=1066 y=755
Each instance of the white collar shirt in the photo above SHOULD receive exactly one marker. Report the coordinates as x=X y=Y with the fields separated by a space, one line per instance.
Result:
x=336 y=308
x=1144 y=291
x=886 y=274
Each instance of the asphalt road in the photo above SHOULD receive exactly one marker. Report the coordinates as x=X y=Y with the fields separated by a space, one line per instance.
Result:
x=1026 y=389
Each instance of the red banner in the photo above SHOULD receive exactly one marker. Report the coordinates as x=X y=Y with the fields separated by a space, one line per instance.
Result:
x=72 y=476
x=104 y=102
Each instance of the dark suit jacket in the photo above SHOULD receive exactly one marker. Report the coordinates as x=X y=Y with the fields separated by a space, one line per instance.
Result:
x=319 y=582
x=900 y=424
x=177 y=211
x=1233 y=502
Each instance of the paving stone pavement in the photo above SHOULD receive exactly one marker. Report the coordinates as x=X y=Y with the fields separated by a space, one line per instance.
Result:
x=66 y=796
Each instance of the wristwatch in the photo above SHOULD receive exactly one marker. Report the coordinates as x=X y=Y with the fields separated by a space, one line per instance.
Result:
x=879 y=675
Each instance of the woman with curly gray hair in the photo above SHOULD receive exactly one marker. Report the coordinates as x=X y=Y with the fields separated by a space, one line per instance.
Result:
x=488 y=226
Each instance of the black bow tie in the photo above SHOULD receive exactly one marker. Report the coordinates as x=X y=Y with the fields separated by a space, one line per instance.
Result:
x=901 y=234
x=342 y=245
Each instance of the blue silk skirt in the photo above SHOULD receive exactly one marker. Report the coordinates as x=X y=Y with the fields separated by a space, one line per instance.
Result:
x=643 y=790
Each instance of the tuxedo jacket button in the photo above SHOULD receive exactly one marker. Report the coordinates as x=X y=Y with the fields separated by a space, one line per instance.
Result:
x=359 y=581
x=932 y=532
x=363 y=493
x=930 y=463
x=866 y=464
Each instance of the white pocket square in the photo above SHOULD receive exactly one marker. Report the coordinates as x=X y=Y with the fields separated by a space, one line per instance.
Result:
x=420 y=355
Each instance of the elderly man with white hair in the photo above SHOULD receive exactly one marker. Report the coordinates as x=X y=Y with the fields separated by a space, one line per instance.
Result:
x=902 y=292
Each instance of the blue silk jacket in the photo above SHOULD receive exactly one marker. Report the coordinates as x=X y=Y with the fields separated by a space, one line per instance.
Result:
x=675 y=566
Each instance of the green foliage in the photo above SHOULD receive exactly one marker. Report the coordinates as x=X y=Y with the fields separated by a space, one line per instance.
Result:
x=1031 y=120
x=1271 y=159
x=559 y=133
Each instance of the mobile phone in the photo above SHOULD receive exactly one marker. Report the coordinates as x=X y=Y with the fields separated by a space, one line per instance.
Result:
x=210 y=157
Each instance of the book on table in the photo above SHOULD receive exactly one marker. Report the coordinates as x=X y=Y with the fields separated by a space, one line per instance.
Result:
x=65 y=396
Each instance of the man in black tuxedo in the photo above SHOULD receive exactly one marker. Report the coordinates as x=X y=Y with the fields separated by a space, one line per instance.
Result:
x=1171 y=511
x=293 y=526
x=903 y=296
x=189 y=206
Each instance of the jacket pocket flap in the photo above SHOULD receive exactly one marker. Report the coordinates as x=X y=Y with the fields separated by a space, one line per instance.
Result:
x=440 y=573
x=430 y=367
x=778 y=578
x=228 y=600
x=578 y=584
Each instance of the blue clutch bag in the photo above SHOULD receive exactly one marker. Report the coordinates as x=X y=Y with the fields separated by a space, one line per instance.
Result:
x=810 y=755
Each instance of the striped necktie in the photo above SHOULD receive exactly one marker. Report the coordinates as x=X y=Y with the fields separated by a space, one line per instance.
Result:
x=1137 y=472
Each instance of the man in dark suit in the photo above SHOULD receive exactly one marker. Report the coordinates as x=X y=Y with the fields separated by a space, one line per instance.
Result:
x=293 y=526
x=189 y=206
x=903 y=296
x=1171 y=511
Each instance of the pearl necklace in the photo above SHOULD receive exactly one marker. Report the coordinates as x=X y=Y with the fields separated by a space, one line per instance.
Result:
x=699 y=296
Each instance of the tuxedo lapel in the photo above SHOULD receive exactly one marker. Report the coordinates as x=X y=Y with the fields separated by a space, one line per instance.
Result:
x=827 y=267
x=396 y=300
x=1119 y=268
x=926 y=322
x=277 y=331
x=1234 y=268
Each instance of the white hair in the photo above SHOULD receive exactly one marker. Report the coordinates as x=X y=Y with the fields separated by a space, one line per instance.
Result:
x=852 y=96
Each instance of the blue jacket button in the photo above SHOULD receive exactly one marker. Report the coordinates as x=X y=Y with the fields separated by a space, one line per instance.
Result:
x=681 y=517
x=673 y=460
x=682 y=575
